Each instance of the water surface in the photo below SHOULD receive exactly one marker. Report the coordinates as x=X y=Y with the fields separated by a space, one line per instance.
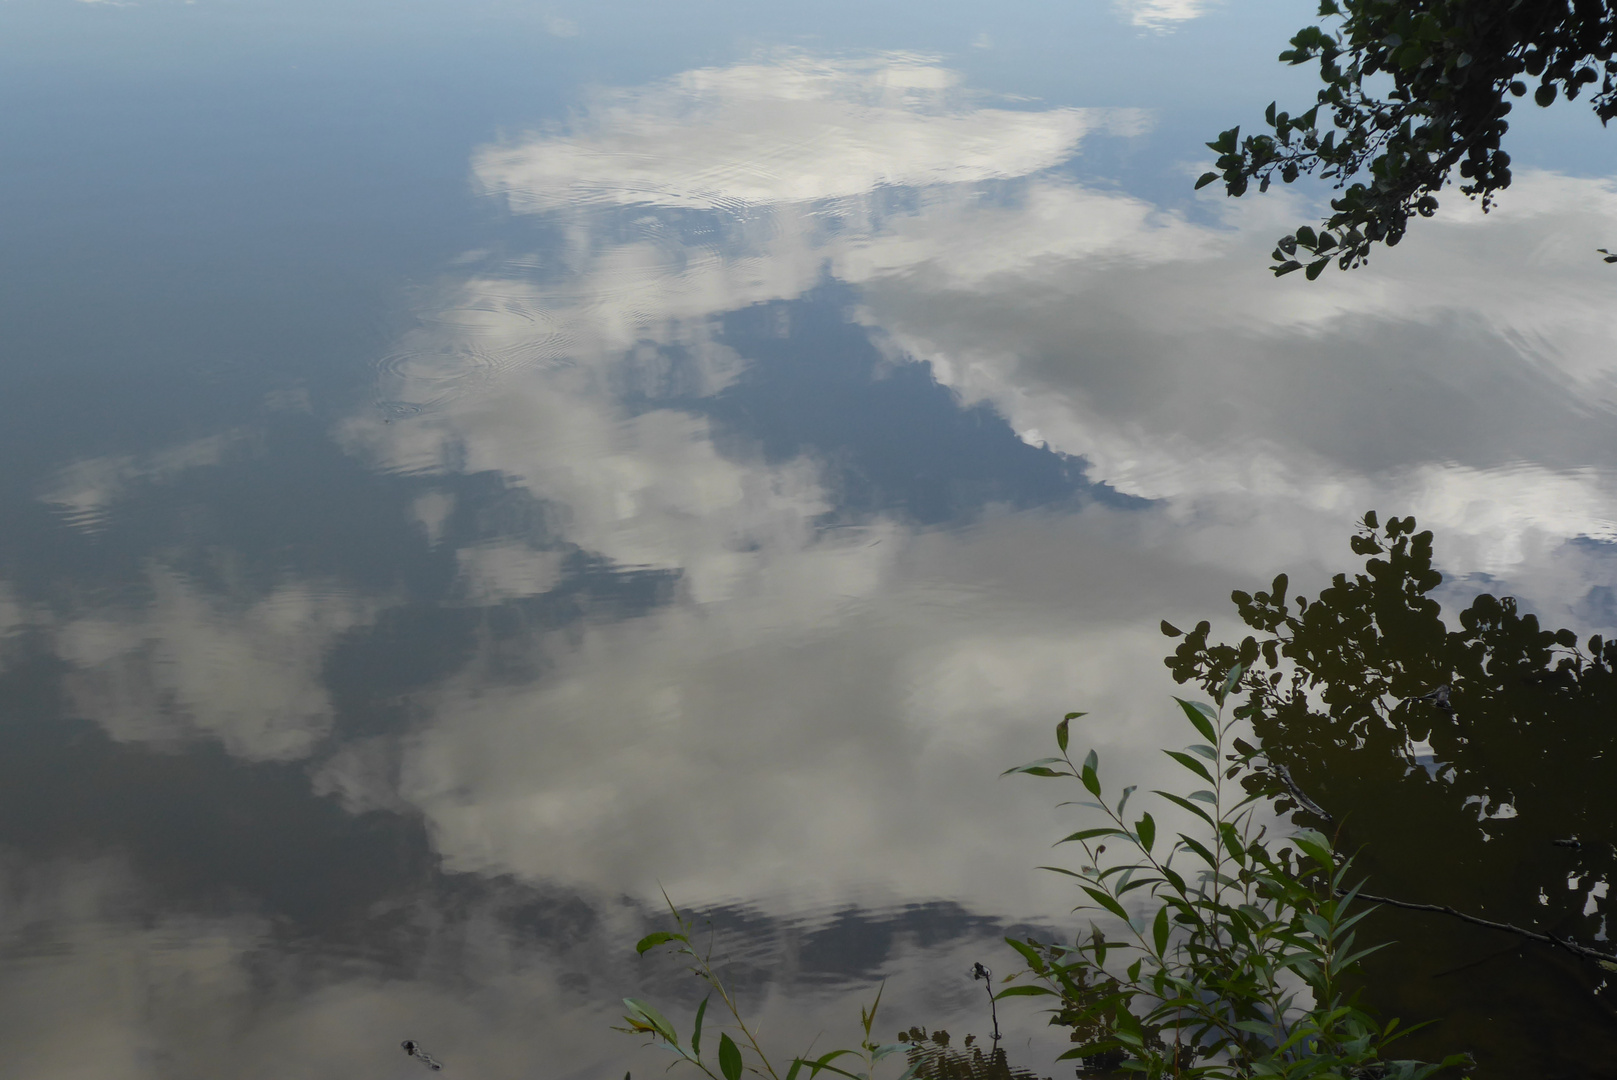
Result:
x=469 y=468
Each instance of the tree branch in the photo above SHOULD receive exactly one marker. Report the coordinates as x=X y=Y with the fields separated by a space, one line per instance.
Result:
x=1604 y=959
x=1607 y=960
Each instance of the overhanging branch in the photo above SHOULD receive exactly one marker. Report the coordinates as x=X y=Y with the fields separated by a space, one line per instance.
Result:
x=1605 y=960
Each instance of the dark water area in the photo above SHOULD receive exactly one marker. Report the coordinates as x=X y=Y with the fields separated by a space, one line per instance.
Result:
x=468 y=470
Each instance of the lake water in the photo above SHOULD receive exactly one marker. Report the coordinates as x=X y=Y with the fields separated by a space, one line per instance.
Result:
x=469 y=467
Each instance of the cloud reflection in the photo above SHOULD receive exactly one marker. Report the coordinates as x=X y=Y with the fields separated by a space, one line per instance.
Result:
x=819 y=710
x=187 y=662
x=798 y=129
x=1162 y=14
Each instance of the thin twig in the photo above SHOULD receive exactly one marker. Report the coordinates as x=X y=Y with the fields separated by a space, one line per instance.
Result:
x=1443 y=909
x=1297 y=793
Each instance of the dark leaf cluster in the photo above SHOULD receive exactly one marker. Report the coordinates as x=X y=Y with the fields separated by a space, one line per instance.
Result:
x=1415 y=92
x=1236 y=946
x=1472 y=764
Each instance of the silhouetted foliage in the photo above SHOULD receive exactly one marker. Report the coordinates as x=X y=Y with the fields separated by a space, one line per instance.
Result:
x=1452 y=66
x=1234 y=947
x=931 y=1057
x=1473 y=767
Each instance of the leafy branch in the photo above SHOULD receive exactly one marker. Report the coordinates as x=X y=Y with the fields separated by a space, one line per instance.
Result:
x=732 y=1061
x=1452 y=65
x=1232 y=966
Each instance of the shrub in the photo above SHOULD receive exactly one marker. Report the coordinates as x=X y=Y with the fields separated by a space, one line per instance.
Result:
x=1235 y=943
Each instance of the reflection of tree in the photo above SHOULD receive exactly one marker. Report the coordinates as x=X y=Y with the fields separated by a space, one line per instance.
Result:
x=1476 y=766
x=933 y=1058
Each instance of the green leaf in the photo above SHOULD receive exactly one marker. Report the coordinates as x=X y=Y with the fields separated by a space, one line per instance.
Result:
x=1088 y=834
x=1180 y=801
x=1315 y=846
x=1107 y=902
x=1147 y=830
x=1192 y=764
x=1061 y=734
x=1026 y=991
x=729 y=1058
x=1233 y=680
x=1199 y=848
x=1232 y=842
x=1028 y=953
x=1159 y=931
x=1090 y=780
x=696 y=1031
x=841 y=1072
x=1039 y=767
x=656 y=1019
x=1201 y=717
x=651 y=941
x=1315 y=269
x=824 y=1062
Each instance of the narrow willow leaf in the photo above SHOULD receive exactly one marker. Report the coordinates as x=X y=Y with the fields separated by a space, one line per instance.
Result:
x=656 y=1019
x=1192 y=764
x=1185 y=804
x=840 y=1072
x=1147 y=830
x=1159 y=931
x=1040 y=767
x=1107 y=902
x=1201 y=718
x=1315 y=846
x=729 y=1058
x=1198 y=848
x=696 y=1032
x=1030 y=954
x=1233 y=680
x=1124 y=801
x=1026 y=991
x=651 y=941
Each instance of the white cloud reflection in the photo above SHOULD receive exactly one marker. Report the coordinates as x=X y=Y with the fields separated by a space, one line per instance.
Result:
x=1162 y=14
x=821 y=711
x=188 y=662
x=799 y=129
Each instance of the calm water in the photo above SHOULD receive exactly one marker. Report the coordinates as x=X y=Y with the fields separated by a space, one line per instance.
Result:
x=467 y=466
